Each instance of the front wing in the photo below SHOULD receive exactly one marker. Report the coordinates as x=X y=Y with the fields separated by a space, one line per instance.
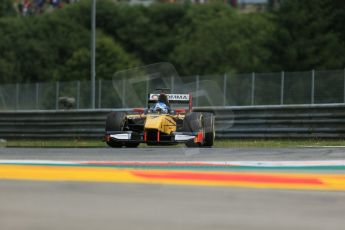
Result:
x=154 y=137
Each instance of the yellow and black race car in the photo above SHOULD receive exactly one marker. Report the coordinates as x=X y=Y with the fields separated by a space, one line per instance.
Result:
x=160 y=124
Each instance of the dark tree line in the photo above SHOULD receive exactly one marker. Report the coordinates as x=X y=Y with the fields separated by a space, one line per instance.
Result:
x=197 y=39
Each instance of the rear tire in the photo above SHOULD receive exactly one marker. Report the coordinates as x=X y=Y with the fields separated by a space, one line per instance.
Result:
x=192 y=123
x=115 y=122
x=209 y=129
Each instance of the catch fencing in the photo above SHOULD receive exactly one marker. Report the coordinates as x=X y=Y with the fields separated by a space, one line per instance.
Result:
x=288 y=121
x=283 y=88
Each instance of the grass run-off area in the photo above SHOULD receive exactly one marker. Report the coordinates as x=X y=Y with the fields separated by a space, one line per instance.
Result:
x=246 y=143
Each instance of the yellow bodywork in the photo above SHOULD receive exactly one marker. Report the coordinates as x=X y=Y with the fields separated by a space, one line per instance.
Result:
x=162 y=122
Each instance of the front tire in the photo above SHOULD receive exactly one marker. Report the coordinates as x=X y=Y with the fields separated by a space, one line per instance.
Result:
x=193 y=122
x=114 y=144
x=132 y=145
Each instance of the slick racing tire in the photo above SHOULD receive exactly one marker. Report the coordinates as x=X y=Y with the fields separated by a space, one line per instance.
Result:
x=132 y=145
x=115 y=122
x=193 y=123
x=209 y=129
x=114 y=144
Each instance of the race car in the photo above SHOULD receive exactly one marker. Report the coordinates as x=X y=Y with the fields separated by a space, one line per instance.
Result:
x=159 y=125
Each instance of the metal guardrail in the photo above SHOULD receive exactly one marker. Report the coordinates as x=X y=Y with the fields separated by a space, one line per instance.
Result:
x=53 y=124
x=289 y=121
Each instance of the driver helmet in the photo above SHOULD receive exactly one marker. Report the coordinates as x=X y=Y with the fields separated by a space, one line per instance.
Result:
x=160 y=106
x=163 y=98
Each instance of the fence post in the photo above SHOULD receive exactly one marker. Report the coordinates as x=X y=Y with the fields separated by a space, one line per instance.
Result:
x=99 y=93
x=147 y=92
x=253 y=89
x=312 y=86
x=17 y=96
x=123 y=92
x=78 y=94
x=172 y=84
x=197 y=90
x=282 y=85
x=57 y=89
x=344 y=85
x=224 y=89
x=37 y=92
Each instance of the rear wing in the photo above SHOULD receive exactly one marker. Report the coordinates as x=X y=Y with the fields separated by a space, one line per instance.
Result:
x=173 y=99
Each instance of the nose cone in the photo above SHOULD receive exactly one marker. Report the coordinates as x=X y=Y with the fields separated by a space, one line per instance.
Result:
x=154 y=122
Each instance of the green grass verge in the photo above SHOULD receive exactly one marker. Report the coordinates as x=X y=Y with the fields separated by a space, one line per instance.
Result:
x=76 y=143
x=278 y=143
x=73 y=143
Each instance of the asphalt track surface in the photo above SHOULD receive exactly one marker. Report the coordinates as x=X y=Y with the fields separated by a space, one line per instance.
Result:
x=174 y=154
x=85 y=205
